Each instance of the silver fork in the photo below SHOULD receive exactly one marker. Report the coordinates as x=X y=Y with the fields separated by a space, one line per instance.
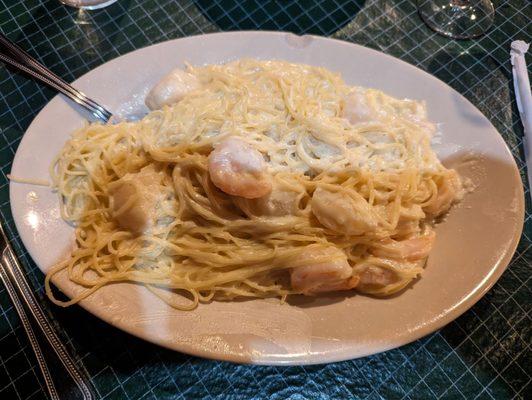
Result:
x=12 y=54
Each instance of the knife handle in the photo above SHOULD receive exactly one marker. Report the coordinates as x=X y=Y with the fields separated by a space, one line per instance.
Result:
x=62 y=377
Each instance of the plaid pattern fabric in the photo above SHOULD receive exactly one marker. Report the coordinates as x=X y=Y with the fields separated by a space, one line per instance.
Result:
x=484 y=354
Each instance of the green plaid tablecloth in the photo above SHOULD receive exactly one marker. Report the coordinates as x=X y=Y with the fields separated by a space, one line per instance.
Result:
x=484 y=354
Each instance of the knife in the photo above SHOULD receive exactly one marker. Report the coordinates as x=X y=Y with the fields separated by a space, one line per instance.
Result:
x=62 y=376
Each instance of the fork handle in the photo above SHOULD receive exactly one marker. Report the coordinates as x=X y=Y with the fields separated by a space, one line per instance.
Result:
x=63 y=379
x=57 y=86
x=25 y=58
x=12 y=54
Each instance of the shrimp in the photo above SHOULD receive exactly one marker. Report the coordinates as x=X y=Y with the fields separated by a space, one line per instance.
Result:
x=449 y=191
x=376 y=276
x=322 y=276
x=409 y=218
x=238 y=169
x=356 y=108
x=171 y=89
x=340 y=212
x=382 y=276
x=416 y=248
x=279 y=202
x=134 y=199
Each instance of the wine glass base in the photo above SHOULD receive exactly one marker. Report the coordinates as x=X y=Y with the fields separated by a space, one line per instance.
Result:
x=458 y=19
x=87 y=4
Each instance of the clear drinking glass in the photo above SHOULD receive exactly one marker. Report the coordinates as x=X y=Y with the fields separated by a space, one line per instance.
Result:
x=458 y=19
x=88 y=4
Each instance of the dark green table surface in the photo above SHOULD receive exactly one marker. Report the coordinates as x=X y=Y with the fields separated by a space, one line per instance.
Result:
x=484 y=354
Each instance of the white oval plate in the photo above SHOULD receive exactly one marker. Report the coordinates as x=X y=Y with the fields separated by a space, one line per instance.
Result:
x=474 y=244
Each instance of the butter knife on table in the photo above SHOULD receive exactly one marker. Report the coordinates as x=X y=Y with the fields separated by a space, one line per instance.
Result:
x=62 y=376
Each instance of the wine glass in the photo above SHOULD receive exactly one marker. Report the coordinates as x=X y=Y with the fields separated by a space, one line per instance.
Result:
x=458 y=19
x=88 y=4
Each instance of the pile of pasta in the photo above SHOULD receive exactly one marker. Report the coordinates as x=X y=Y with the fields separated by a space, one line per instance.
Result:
x=353 y=179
